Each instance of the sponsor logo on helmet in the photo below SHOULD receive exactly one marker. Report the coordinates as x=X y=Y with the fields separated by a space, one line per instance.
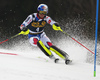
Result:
x=43 y=7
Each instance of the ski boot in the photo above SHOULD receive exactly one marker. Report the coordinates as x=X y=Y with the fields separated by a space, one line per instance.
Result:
x=55 y=59
x=67 y=60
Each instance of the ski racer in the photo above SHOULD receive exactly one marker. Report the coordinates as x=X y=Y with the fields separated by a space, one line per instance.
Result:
x=35 y=23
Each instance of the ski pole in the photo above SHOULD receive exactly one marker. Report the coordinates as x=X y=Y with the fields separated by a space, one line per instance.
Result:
x=77 y=41
x=22 y=32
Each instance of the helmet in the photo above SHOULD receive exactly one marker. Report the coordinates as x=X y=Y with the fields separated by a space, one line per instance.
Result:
x=43 y=7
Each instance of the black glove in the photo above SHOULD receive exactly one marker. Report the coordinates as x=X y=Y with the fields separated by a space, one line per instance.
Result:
x=56 y=24
x=24 y=29
x=56 y=27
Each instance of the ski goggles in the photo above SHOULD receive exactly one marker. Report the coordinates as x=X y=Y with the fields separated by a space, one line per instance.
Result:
x=42 y=12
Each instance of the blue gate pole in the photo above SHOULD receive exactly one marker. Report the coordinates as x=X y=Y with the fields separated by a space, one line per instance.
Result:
x=96 y=35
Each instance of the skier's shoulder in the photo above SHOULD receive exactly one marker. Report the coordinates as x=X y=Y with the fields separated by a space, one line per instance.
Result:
x=33 y=14
x=30 y=16
x=47 y=17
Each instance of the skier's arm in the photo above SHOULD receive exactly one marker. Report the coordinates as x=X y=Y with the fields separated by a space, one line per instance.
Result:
x=54 y=24
x=24 y=25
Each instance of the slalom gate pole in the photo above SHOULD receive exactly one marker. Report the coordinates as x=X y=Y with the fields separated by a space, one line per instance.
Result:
x=22 y=32
x=77 y=41
x=96 y=35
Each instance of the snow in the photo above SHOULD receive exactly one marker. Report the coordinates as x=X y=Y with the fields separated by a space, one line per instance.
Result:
x=32 y=64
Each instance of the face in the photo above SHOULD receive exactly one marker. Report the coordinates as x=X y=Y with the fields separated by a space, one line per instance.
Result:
x=41 y=15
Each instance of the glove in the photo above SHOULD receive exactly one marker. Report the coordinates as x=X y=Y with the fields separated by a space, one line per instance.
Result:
x=24 y=32
x=55 y=26
x=23 y=28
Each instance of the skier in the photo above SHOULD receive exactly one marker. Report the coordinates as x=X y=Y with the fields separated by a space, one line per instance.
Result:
x=35 y=23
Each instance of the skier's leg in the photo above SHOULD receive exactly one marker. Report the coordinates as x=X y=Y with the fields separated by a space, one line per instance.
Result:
x=33 y=41
x=61 y=54
x=46 y=51
x=46 y=41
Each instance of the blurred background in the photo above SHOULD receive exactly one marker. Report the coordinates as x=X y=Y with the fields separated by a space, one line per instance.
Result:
x=75 y=16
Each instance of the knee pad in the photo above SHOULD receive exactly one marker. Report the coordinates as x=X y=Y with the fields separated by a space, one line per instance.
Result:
x=33 y=41
x=49 y=43
x=46 y=51
x=58 y=51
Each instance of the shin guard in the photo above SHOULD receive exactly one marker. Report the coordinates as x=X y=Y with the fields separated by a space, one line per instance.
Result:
x=46 y=51
x=59 y=52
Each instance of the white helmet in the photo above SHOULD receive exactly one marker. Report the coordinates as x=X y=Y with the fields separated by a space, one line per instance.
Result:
x=42 y=7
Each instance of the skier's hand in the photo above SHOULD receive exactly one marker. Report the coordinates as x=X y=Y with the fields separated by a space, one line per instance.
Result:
x=24 y=32
x=23 y=28
x=56 y=27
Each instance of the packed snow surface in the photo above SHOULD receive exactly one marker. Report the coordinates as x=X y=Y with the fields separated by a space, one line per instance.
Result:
x=28 y=63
